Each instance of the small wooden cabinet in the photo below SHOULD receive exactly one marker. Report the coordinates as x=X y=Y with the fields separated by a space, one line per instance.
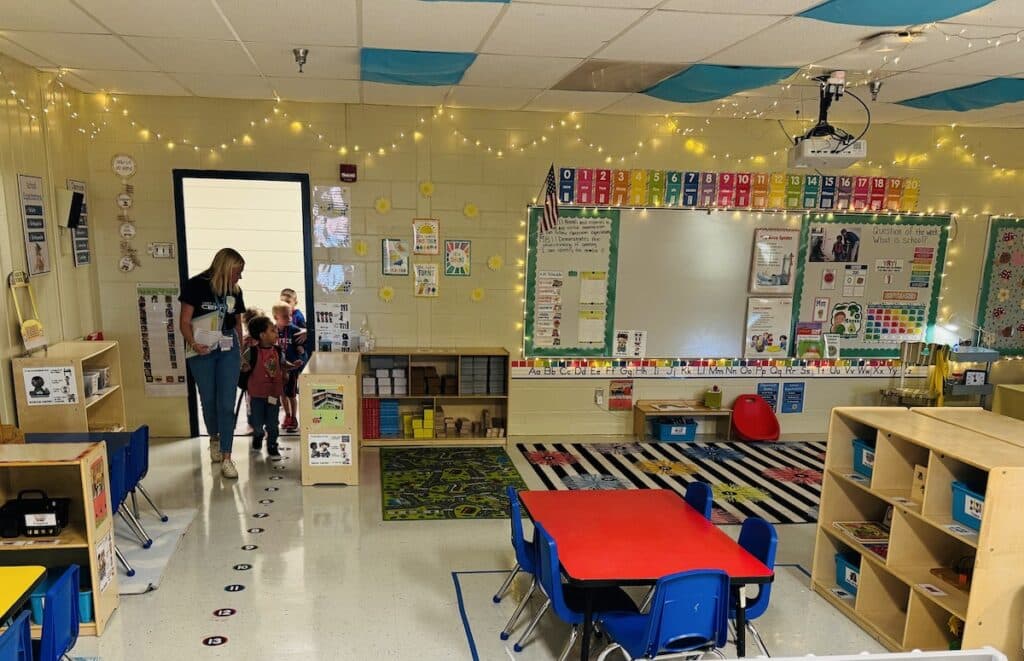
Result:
x=77 y=471
x=50 y=389
x=329 y=419
x=895 y=600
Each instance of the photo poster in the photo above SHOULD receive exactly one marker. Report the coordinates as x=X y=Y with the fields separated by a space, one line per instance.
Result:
x=105 y=566
x=620 y=395
x=769 y=392
x=457 y=257
x=394 y=257
x=80 y=235
x=630 y=344
x=873 y=281
x=768 y=328
x=330 y=450
x=333 y=325
x=570 y=283
x=1001 y=306
x=426 y=236
x=332 y=227
x=773 y=262
x=426 y=280
x=163 y=349
x=100 y=503
x=50 y=386
x=37 y=249
x=328 y=405
x=792 y=397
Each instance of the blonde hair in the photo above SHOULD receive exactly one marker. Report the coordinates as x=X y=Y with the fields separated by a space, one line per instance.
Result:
x=283 y=310
x=220 y=269
x=290 y=294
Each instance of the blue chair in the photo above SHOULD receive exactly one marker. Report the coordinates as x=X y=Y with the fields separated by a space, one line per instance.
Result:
x=526 y=560
x=118 y=492
x=759 y=539
x=118 y=461
x=138 y=467
x=567 y=601
x=699 y=497
x=16 y=642
x=60 y=617
x=689 y=614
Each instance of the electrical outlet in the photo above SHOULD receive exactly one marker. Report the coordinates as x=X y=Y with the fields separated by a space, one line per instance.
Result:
x=599 y=397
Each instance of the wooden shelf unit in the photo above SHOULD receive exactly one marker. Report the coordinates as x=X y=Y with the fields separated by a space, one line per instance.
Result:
x=101 y=411
x=890 y=603
x=448 y=362
x=77 y=471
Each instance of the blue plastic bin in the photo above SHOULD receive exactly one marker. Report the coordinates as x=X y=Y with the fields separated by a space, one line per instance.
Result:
x=968 y=506
x=679 y=429
x=863 y=456
x=38 y=598
x=847 y=572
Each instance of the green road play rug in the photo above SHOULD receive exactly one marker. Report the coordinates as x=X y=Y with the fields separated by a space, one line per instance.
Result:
x=779 y=482
x=421 y=484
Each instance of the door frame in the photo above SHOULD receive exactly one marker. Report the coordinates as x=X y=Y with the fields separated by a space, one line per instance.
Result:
x=179 y=220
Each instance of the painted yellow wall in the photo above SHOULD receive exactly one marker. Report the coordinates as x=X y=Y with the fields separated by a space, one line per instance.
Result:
x=464 y=173
x=49 y=147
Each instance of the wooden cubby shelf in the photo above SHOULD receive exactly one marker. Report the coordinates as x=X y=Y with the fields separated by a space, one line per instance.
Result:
x=899 y=599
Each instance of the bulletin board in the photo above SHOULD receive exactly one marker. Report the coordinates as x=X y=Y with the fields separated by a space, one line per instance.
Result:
x=1001 y=306
x=683 y=276
x=873 y=281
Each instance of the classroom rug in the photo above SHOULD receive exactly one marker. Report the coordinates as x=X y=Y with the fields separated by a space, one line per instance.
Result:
x=421 y=484
x=779 y=482
x=149 y=564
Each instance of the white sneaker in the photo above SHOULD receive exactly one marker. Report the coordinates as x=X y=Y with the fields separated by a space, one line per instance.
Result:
x=216 y=456
x=227 y=469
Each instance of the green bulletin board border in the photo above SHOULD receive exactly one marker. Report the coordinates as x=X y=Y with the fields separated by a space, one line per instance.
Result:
x=534 y=213
x=873 y=219
x=996 y=226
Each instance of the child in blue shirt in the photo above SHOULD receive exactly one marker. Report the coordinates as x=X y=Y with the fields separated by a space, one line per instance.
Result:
x=291 y=339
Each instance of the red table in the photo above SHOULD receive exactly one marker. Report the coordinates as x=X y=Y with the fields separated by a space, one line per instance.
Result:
x=635 y=537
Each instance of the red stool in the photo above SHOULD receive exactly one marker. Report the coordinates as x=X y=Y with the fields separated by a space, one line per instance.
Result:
x=754 y=420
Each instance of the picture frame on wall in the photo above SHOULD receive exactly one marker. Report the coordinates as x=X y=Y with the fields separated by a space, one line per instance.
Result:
x=975 y=377
x=394 y=257
x=457 y=257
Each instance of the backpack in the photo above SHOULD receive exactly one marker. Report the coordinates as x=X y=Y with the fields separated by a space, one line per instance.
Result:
x=249 y=355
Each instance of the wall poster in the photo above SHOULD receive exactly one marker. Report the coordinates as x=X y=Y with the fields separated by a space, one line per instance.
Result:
x=457 y=257
x=328 y=405
x=394 y=257
x=37 y=249
x=1001 y=308
x=768 y=327
x=330 y=450
x=80 y=235
x=163 y=350
x=620 y=395
x=333 y=326
x=100 y=503
x=769 y=392
x=773 y=262
x=50 y=386
x=331 y=225
x=426 y=280
x=426 y=236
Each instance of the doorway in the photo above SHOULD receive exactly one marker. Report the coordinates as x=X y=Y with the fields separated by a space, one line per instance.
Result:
x=263 y=215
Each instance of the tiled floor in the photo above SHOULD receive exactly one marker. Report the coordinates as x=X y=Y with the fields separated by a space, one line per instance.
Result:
x=330 y=580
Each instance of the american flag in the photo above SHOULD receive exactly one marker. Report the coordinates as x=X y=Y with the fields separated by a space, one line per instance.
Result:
x=550 y=219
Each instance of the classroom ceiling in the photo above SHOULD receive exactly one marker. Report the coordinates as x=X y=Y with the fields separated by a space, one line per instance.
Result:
x=550 y=55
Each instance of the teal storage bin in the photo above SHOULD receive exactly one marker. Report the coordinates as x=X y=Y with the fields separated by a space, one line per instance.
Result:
x=863 y=457
x=676 y=429
x=968 y=506
x=37 y=599
x=85 y=606
x=848 y=572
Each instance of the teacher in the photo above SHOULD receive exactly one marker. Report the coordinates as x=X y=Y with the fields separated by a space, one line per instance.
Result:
x=211 y=303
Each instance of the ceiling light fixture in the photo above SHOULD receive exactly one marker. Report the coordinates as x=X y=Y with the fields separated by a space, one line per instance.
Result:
x=300 y=56
x=887 y=42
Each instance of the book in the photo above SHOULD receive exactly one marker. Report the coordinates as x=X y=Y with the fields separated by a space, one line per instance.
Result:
x=865 y=532
x=881 y=550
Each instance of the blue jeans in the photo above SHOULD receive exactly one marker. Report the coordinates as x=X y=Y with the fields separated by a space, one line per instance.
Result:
x=216 y=376
x=265 y=414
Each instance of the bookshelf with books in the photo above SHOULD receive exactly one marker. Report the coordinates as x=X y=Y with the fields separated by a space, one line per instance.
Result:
x=901 y=549
x=434 y=397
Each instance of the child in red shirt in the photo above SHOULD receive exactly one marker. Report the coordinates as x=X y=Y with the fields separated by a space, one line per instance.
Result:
x=267 y=368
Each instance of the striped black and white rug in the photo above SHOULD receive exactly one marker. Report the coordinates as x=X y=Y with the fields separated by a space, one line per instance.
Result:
x=779 y=482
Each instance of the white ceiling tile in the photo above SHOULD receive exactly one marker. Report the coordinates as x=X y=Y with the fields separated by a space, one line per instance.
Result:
x=935 y=47
x=428 y=26
x=385 y=94
x=24 y=56
x=911 y=84
x=493 y=98
x=518 y=70
x=46 y=16
x=87 y=51
x=1002 y=61
x=774 y=7
x=793 y=42
x=1000 y=12
x=564 y=101
x=226 y=86
x=317 y=90
x=195 y=19
x=641 y=104
x=671 y=36
x=194 y=55
x=130 y=82
x=296 y=22
x=557 y=31
x=322 y=61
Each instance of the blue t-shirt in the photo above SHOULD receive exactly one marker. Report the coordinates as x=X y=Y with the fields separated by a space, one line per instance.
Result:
x=288 y=340
x=298 y=319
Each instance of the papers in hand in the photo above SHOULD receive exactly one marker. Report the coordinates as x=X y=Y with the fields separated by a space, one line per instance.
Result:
x=207 y=337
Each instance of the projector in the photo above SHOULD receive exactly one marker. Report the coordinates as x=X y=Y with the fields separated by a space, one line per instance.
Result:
x=827 y=152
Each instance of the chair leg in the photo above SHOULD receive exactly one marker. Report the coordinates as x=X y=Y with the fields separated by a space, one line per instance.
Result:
x=609 y=649
x=518 y=647
x=136 y=527
x=120 y=556
x=757 y=639
x=135 y=504
x=145 y=494
x=647 y=601
x=507 y=631
x=717 y=652
x=505 y=586
x=574 y=633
